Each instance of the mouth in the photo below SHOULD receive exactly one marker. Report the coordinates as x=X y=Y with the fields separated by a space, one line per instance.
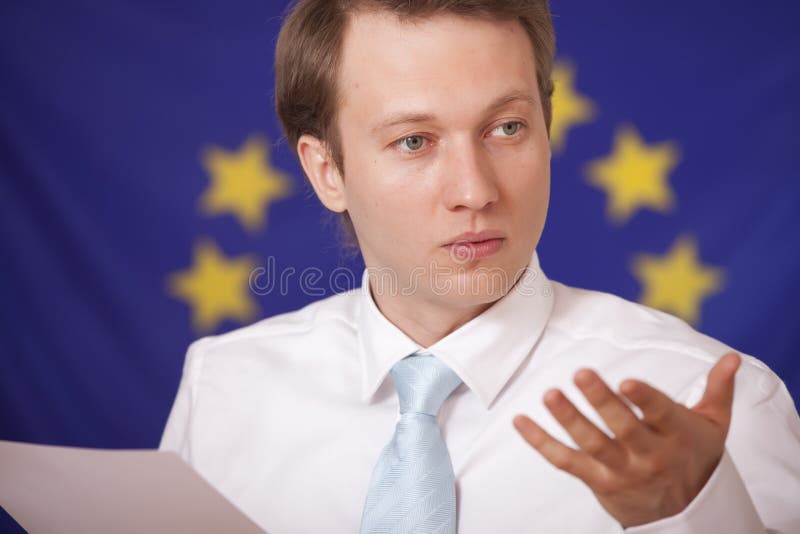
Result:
x=472 y=246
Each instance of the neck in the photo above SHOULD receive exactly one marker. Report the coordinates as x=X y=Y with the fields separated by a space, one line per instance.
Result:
x=424 y=321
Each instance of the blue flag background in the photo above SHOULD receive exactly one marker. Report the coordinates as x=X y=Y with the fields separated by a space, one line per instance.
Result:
x=143 y=177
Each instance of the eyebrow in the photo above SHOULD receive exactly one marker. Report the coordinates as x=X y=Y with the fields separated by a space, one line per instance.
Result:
x=403 y=118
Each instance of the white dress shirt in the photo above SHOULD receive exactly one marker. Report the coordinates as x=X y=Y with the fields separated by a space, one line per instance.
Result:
x=287 y=417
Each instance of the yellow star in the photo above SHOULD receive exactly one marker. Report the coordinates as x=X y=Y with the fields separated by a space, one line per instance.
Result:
x=242 y=183
x=215 y=287
x=677 y=282
x=635 y=175
x=569 y=107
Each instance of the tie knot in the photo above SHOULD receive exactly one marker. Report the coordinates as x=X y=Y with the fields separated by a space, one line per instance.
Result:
x=423 y=382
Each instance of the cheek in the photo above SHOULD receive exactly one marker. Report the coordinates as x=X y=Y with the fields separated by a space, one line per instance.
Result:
x=528 y=179
x=400 y=181
x=385 y=193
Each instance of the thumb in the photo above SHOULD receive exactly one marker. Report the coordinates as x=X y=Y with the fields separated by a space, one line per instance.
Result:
x=718 y=397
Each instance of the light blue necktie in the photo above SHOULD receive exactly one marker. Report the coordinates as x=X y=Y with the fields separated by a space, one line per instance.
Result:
x=413 y=484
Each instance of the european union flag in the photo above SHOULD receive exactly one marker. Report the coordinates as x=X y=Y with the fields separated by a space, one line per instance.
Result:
x=143 y=182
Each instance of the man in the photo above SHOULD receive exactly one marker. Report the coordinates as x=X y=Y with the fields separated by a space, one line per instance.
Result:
x=425 y=124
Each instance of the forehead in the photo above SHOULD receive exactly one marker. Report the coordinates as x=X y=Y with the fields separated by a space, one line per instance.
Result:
x=439 y=62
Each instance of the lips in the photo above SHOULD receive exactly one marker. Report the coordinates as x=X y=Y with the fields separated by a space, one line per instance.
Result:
x=471 y=246
x=474 y=237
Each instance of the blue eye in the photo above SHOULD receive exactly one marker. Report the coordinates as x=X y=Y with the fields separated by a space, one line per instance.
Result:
x=509 y=128
x=413 y=143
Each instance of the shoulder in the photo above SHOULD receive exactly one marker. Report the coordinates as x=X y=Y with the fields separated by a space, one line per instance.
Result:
x=584 y=313
x=330 y=317
x=654 y=338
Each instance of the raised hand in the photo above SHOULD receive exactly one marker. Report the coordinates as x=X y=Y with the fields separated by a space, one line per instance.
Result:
x=652 y=467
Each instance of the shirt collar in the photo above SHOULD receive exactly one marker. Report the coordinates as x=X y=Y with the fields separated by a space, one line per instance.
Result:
x=484 y=352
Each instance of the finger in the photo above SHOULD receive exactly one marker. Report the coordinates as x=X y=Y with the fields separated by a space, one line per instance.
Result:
x=567 y=459
x=627 y=428
x=718 y=397
x=586 y=435
x=658 y=410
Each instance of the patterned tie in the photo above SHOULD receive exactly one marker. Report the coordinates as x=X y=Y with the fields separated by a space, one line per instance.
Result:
x=413 y=484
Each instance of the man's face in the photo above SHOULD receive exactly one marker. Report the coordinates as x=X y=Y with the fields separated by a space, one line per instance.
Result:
x=442 y=133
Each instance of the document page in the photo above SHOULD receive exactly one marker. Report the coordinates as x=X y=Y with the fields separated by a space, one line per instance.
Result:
x=66 y=489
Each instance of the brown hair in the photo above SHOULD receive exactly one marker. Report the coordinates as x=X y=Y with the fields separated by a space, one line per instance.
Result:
x=309 y=47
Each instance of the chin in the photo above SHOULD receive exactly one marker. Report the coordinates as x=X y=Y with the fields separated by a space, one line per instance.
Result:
x=479 y=285
x=465 y=302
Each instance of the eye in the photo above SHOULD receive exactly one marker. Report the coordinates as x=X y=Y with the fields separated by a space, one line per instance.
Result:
x=509 y=128
x=412 y=143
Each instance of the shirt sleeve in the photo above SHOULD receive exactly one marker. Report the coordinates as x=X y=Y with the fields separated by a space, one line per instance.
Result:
x=755 y=486
x=177 y=432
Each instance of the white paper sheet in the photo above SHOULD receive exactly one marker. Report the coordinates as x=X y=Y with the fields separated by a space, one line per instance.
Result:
x=65 y=489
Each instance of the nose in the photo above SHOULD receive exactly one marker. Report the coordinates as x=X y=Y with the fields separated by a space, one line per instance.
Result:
x=470 y=178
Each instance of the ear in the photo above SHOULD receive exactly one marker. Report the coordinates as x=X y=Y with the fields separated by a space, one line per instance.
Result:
x=322 y=172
